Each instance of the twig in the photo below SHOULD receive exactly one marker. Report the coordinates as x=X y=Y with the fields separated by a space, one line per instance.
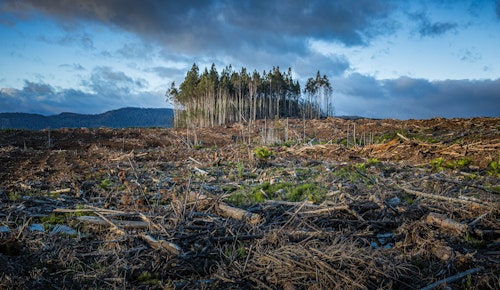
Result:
x=290 y=203
x=439 y=197
x=140 y=186
x=194 y=160
x=162 y=245
x=464 y=184
x=356 y=214
x=237 y=238
x=59 y=191
x=453 y=278
x=114 y=227
x=201 y=171
x=474 y=222
x=325 y=210
x=118 y=223
x=402 y=137
x=154 y=225
x=294 y=215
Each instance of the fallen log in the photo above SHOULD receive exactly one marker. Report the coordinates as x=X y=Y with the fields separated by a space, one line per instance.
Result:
x=446 y=223
x=125 y=224
x=238 y=213
x=227 y=210
x=440 y=197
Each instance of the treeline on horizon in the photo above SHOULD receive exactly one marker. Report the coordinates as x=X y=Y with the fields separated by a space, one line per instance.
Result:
x=212 y=99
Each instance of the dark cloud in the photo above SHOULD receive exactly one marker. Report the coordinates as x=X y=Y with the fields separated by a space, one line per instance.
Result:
x=470 y=55
x=81 y=39
x=346 y=21
x=406 y=97
x=110 y=90
x=72 y=67
x=498 y=8
x=104 y=80
x=436 y=28
x=224 y=25
x=141 y=50
x=428 y=28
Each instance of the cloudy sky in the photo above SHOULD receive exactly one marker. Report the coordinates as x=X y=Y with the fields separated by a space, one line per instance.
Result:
x=385 y=59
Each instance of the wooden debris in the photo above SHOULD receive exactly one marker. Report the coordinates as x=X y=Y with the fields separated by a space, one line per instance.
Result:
x=201 y=171
x=239 y=214
x=440 y=197
x=227 y=210
x=446 y=223
x=125 y=224
x=59 y=191
x=162 y=245
x=453 y=278
x=325 y=210
x=403 y=137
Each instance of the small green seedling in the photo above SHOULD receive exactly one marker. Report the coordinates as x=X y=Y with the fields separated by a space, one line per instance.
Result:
x=263 y=154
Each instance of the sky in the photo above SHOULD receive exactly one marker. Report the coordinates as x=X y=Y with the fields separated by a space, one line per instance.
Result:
x=415 y=59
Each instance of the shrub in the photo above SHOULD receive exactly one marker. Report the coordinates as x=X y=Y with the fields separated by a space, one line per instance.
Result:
x=263 y=154
x=495 y=168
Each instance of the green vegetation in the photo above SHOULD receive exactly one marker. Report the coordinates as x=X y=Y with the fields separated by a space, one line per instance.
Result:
x=494 y=168
x=211 y=99
x=262 y=154
x=307 y=191
x=462 y=163
x=278 y=191
x=106 y=184
x=53 y=219
x=438 y=164
x=352 y=174
x=472 y=241
x=14 y=196
x=147 y=278
x=233 y=253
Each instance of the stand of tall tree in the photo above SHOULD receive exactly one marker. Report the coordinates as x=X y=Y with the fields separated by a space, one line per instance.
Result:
x=212 y=99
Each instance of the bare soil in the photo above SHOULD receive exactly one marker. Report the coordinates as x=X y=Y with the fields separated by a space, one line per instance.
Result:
x=402 y=205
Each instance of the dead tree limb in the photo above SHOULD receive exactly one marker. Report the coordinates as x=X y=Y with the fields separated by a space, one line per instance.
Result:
x=453 y=278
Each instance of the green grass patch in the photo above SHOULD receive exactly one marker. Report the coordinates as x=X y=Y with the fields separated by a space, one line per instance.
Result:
x=307 y=191
x=106 y=184
x=278 y=191
x=349 y=173
x=148 y=278
x=472 y=241
x=439 y=164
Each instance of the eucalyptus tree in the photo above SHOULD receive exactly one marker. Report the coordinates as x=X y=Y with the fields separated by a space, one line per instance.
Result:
x=210 y=98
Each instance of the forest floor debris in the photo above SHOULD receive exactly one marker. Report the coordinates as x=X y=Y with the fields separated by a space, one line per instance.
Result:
x=402 y=204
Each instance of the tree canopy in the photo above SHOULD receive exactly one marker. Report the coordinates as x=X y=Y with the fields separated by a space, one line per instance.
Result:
x=211 y=99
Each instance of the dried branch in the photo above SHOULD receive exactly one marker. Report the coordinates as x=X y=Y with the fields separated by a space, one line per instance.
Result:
x=163 y=245
x=446 y=223
x=440 y=197
x=452 y=278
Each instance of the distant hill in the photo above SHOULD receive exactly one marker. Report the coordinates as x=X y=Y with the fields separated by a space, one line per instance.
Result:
x=121 y=118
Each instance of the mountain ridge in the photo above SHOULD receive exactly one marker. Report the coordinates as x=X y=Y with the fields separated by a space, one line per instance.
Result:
x=120 y=118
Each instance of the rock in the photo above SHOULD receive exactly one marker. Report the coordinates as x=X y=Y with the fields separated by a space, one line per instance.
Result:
x=36 y=228
x=62 y=229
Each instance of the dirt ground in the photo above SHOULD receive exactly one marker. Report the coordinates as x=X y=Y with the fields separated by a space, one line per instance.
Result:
x=338 y=204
